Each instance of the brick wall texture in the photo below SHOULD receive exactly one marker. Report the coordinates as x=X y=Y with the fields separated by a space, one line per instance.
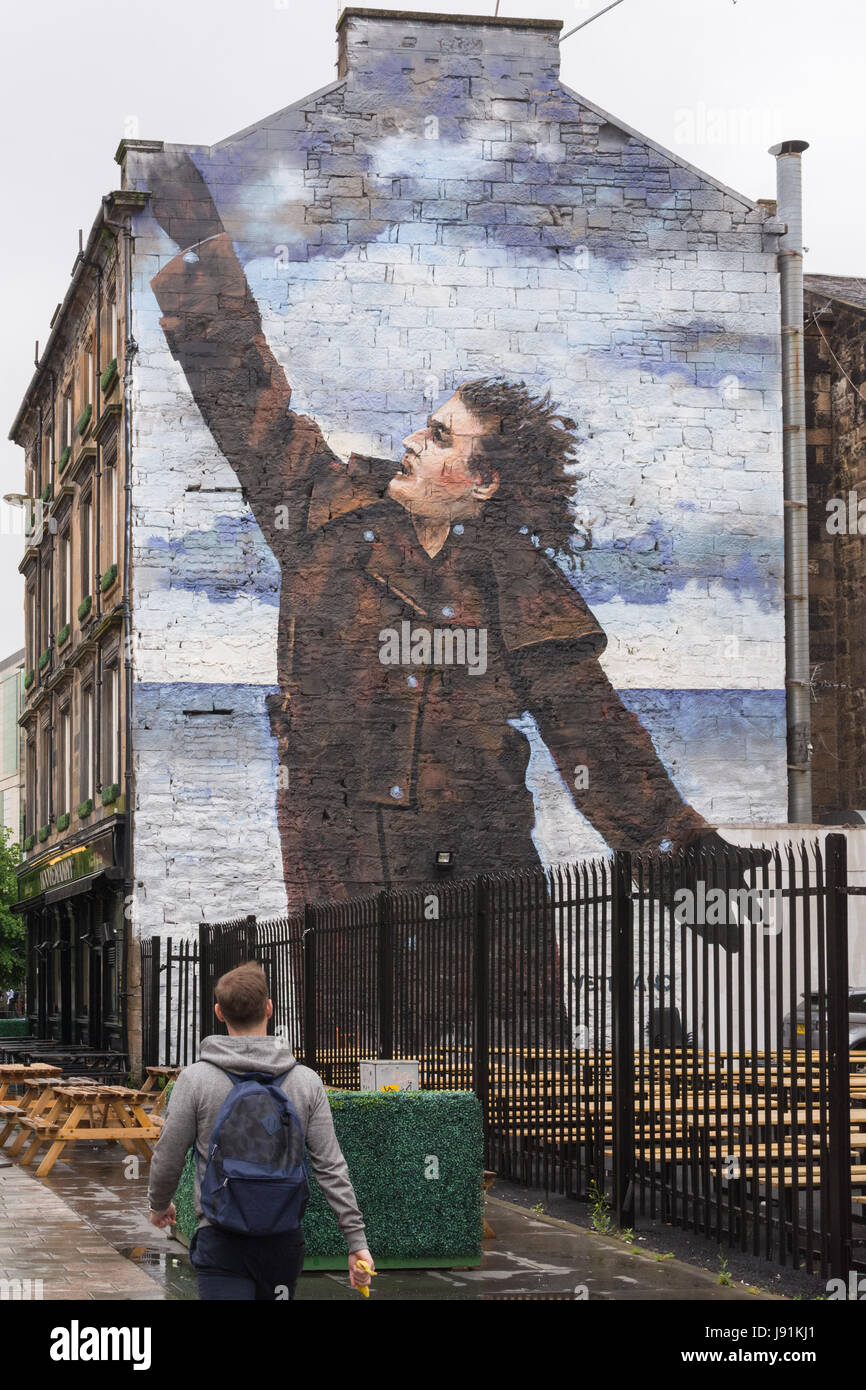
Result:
x=445 y=211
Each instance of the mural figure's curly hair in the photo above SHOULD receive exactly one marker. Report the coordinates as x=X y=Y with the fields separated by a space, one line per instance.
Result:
x=529 y=444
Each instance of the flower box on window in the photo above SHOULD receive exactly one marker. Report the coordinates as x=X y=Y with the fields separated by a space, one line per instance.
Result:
x=109 y=376
x=44 y=659
x=43 y=833
x=64 y=458
x=84 y=607
x=46 y=492
x=29 y=679
x=63 y=634
x=84 y=808
x=108 y=578
x=110 y=794
x=29 y=842
x=84 y=419
x=63 y=821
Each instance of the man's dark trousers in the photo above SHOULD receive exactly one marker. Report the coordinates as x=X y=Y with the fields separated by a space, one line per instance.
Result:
x=234 y=1267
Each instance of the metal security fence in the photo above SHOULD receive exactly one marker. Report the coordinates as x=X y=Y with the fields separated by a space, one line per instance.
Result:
x=170 y=1001
x=673 y=1030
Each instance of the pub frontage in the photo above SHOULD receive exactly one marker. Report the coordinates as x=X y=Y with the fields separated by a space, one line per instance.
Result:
x=72 y=905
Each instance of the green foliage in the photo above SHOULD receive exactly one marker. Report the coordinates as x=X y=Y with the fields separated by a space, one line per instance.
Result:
x=29 y=842
x=46 y=492
x=11 y=925
x=63 y=634
x=110 y=794
x=64 y=458
x=43 y=833
x=107 y=378
x=44 y=659
x=84 y=607
x=84 y=419
x=599 y=1209
x=108 y=578
x=415 y=1159
x=84 y=808
x=724 y=1277
x=63 y=821
x=29 y=679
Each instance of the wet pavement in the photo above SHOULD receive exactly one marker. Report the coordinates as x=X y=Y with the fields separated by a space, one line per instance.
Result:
x=48 y=1252
x=532 y=1255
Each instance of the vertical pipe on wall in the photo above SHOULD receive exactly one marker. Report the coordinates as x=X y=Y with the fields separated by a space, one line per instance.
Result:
x=790 y=261
x=128 y=986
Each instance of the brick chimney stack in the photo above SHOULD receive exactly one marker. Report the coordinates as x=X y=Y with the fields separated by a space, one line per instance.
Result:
x=400 y=49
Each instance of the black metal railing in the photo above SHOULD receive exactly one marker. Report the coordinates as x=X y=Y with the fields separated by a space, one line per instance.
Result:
x=170 y=993
x=673 y=1029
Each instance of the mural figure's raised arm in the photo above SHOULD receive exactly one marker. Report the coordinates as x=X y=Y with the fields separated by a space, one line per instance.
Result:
x=214 y=330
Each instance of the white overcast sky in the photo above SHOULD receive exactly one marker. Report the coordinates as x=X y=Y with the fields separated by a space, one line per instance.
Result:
x=715 y=80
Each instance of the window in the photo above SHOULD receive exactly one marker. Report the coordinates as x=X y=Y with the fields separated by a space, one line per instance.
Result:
x=64 y=754
x=88 y=376
x=86 y=547
x=110 y=324
x=65 y=579
x=32 y=635
x=86 y=745
x=44 y=770
x=44 y=609
x=30 y=789
x=67 y=417
x=109 y=527
x=110 y=711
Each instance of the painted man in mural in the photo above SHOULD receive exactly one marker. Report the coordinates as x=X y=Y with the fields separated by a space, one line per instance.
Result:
x=417 y=616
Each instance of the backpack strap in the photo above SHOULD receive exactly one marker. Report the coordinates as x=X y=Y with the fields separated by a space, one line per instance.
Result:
x=264 y=1078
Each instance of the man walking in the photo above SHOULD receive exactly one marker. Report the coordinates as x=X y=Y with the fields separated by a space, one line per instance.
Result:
x=230 y=1265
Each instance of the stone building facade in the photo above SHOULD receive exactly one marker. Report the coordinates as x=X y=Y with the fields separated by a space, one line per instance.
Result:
x=75 y=835
x=11 y=755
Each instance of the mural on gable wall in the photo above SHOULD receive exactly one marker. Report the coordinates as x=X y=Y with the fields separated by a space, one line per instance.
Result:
x=457 y=603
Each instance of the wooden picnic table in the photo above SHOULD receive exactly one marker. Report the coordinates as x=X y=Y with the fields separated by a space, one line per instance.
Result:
x=16 y=1073
x=151 y=1090
x=33 y=1079
x=65 y=1114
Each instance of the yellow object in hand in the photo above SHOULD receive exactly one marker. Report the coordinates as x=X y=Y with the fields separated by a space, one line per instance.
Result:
x=365 y=1288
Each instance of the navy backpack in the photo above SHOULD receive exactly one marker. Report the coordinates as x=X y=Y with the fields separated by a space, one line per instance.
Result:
x=256 y=1181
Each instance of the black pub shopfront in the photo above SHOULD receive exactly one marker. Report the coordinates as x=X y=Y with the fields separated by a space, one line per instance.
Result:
x=71 y=901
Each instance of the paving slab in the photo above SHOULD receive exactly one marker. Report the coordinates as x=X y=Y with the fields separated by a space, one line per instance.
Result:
x=55 y=1253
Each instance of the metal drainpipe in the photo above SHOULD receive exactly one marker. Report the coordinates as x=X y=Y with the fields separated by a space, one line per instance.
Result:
x=789 y=198
x=130 y=347
x=96 y=510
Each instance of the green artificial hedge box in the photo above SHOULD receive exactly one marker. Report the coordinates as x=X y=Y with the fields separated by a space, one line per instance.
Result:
x=415 y=1159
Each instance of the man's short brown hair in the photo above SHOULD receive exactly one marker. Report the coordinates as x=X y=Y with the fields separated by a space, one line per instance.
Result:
x=242 y=994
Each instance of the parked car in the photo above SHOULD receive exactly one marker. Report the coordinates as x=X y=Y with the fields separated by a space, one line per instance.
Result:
x=856 y=1021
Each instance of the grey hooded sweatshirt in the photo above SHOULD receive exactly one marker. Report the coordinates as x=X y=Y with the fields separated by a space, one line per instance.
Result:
x=194 y=1105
